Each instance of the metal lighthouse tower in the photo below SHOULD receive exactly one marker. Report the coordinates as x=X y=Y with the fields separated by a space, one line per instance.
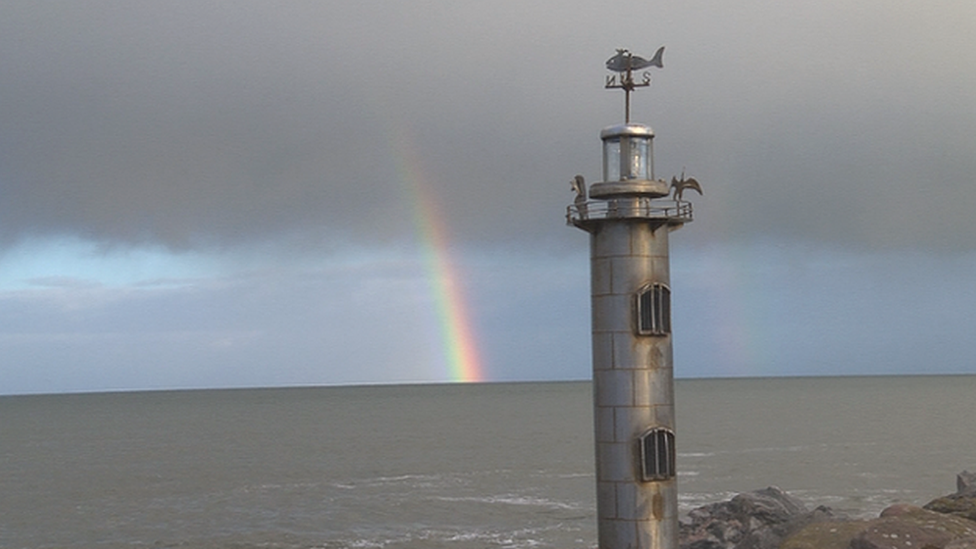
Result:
x=629 y=216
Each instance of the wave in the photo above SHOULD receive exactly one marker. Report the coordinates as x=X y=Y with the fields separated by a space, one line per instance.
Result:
x=521 y=538
x=514 y=499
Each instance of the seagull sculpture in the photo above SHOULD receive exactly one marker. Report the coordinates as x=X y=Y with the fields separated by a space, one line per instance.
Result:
x=679 y=185
x=578 y=184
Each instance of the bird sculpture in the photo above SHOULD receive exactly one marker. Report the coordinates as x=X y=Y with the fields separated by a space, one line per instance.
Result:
x=578 y=184
x=624 y=61
x=679 y=185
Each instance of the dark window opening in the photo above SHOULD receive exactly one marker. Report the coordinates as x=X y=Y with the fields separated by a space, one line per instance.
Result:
x=654 y=310
x=657 y=455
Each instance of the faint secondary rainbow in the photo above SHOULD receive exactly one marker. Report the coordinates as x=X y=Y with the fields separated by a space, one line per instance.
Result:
x=739 y=303
x=444 y=279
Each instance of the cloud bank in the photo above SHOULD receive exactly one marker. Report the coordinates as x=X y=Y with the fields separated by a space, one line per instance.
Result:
x=199 y=125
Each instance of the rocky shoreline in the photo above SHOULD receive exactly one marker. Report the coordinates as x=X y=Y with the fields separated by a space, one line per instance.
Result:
x=772 y=519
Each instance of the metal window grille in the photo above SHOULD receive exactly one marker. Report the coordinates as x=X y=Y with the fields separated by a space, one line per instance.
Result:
x=657 y=455
x=654 y=310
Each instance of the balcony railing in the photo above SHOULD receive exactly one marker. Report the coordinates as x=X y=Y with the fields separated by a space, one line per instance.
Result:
x=630 y=208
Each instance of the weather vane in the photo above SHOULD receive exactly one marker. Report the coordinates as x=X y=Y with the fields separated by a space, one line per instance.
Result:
x=624 y=64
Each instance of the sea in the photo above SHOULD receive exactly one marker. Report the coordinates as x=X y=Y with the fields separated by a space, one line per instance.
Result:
x=506 y=465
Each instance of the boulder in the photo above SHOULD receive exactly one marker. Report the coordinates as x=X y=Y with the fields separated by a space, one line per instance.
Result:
x=900 y=532
x=899 y=527
x=959 y=506
x=899 y=509
x=966 y=484
x=772 y=519
x=826 y=535
x=962 y=503
x=751 y=520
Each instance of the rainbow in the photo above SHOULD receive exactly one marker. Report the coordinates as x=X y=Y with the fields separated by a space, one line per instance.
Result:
x=443 y=274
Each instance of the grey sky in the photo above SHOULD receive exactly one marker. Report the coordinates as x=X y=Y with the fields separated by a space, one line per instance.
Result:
x=268 y=138
x=189 y=123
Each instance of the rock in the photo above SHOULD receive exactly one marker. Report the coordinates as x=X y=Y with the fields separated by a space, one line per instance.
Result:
x=966 y=484
x=751 y=520
x=902 y=527
x=772 y=519
x=962 y=543
x=826 y=535
x=960 y=506
x=962 y=503
x=899 y=509
x=900 y=533
x=770 y=505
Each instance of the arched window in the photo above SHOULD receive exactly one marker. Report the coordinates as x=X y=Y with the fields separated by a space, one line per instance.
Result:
x=654 y=310
x=657 y=454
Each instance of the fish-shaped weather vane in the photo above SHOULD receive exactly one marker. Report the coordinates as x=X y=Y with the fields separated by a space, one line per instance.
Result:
x=624 y=63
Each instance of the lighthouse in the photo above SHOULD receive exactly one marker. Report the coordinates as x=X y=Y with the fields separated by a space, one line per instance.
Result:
x=629 y=216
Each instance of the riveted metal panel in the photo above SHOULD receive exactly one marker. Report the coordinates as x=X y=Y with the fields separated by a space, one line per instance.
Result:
x=664 y=415
x=631 y=422
x=630 y=273
x=649 y=241
x=653 y=387
x=644 y=500
x=611 y=313
x=661 y=534
x=627 y=502
x=631 y=352
x=618 y=533
x=600 y=276
x=612 y=240
x=614 y=462
x=603 y=353
x=662 y=270
x=613 y=387
x=603 y=424
x=658 y=353
x=669 y=493
x=606 y=498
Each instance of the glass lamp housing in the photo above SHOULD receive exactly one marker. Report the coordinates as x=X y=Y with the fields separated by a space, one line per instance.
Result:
x=628 y=153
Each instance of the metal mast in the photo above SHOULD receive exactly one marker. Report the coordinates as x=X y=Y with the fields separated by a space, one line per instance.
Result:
x=629 y=216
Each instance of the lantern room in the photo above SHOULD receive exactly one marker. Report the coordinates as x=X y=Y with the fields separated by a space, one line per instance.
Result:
x=628 y=152
x=628 y=163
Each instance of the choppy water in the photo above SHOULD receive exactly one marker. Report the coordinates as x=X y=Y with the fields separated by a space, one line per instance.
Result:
x=461 y=466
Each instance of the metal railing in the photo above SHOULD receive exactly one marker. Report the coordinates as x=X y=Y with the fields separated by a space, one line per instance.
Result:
x=637 y=208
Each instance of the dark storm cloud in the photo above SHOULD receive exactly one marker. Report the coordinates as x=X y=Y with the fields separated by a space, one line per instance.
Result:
x=195 y=124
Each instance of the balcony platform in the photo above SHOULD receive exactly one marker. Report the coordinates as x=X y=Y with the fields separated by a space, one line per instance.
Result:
x=593 y=212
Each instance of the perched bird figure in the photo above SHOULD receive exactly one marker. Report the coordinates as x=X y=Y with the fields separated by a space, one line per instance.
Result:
x=578 y=184
x=625 y=60
x=679 y=185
